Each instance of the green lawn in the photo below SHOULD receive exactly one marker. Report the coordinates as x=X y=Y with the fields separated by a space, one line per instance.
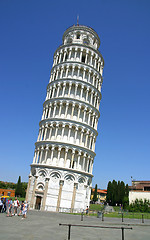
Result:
x=117 y=214
x=96 y=207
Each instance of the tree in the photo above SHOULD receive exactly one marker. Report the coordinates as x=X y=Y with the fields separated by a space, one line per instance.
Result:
x=109 y=192
x=19 y=189
x=117 y=193
x=95 y=194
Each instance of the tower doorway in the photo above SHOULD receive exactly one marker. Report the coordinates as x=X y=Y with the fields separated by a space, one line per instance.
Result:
x=38 y=202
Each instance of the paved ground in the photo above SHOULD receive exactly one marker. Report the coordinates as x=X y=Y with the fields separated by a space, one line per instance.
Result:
x=45 y=226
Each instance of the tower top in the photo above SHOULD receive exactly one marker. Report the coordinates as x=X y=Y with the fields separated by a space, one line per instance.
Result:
x=81 y=34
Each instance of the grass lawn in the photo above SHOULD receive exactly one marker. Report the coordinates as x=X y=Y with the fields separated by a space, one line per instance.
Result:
x=117 y=214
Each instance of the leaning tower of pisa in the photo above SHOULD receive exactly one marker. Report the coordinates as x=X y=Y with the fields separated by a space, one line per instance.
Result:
x=61 y=172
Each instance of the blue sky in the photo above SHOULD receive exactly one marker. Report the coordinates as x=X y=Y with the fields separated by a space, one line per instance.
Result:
x=30 y=33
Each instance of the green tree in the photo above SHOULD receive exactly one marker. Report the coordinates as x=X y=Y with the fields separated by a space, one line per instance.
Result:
x=122 y=192
x=117 y=193
x=109 y=192
x=19 y=189
x=95 y=194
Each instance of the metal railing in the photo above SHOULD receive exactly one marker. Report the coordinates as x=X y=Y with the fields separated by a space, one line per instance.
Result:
x=90 y=226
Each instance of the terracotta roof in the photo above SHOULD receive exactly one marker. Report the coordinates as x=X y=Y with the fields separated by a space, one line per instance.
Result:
x=100 y=190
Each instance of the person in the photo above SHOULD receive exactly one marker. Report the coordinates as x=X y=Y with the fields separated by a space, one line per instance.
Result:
x=87 y=210
x=21 y=208
x=1 y=205
x=16 y=205
x=25 y=207
x=4 y=205
x=9 y=212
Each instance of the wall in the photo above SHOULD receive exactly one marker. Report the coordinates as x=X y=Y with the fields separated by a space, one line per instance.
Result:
x=133 y=195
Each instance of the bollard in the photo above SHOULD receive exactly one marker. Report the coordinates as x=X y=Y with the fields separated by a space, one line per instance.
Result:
x=69 y=231
x=122 y=233
x=142 y=218
x=102 y=216
x=82 y=216
x=122 y=217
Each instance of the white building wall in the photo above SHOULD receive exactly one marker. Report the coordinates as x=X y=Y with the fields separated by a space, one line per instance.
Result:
x=133 y=195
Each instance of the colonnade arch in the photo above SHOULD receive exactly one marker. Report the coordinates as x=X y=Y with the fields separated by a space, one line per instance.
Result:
x=74 y=89
x=67 y=157
x=72 y=110
x=69 y=133
x=79 y=54
x=76 y=71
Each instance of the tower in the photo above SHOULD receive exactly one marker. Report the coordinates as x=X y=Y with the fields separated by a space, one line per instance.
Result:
x=61 y=172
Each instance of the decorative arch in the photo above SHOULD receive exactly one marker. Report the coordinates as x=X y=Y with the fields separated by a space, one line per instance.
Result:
x=69 y=178
x=42 y=173
x=81 y=180
x=40 y=186
x=55 y=175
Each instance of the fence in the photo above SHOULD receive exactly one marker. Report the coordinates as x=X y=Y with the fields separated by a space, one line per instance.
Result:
x=90 y=226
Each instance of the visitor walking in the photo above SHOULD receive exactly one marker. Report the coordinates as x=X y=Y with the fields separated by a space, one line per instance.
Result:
x=25 y=208
x=9 y=208
x=21 y=208
x=87 y=210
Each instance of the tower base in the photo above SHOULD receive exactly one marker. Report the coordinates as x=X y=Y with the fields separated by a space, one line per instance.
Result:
x=58 y=189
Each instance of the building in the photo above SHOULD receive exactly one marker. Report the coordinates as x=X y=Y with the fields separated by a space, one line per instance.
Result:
x=101 y=195
x=61 y=172
x=7 y=192
x=139 y=190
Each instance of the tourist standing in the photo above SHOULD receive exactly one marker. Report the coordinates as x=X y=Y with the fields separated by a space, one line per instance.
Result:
x=16 y=205
x=9 y=208
x=1 y=205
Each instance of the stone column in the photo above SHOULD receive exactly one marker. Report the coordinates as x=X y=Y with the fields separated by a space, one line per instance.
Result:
x=34 y=158
x=66 y=152
x=45 y=194
x=67 y=105
x=63 y=91
x=72 y=112
x=72 y=159
x=46 y=153
x=33 y=193
x=55 y=105
x=84 y=115
x=62 y=133
x=58 y=156
x=61 y=183
x=52 y=153
x=82 y=87
x=87 y=92
x=50 y=132
x=70 y=127
x=87 y=134
x=83 y=165
x=70 y=85
x=60 y=108
x=29 y=183
x=64 y=55
x=81 y=55
x=76 y=87
x=79 y=110
x=50 y=109
x=46 y=127
x=73 y=197
x=37 y=155
x=79 y=156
